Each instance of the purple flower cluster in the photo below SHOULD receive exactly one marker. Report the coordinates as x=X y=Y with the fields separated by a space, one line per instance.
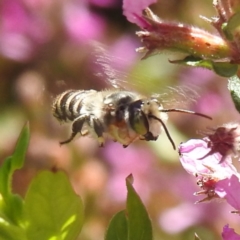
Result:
x=210 y=161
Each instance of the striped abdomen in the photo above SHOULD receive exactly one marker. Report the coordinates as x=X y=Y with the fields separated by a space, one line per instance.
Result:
x=67 y=105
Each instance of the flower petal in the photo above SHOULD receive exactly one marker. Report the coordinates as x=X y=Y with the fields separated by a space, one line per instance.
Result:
x=132 y=9
x=229 y=234
x=191 y=154
x=196 y=158
x=229 y=189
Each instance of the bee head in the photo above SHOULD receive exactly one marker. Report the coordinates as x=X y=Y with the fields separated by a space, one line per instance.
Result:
x=146 y=119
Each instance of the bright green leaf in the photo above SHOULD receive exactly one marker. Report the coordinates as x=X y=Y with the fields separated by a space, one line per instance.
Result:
x=139 y=224
x=234 y=88
x=11 y=232
x=53 y=210
x=14 y=210
x=5 y=178
x=118 y=229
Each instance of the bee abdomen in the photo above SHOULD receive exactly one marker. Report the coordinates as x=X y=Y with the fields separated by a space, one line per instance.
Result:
x=67 y=105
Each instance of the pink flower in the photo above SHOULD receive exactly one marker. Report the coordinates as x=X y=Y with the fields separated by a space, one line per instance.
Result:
x=221 y=143
x=104 y=3
x=124 y=44
x=81 y=24
x=21 y=31
x=229 y=189
x=229 y=234
x=197 y=159
x=132 y=9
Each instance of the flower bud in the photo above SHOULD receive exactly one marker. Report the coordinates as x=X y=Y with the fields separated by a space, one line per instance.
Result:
x=161 y=35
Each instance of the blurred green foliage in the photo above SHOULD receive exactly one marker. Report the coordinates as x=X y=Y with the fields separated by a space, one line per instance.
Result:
x=51 y=209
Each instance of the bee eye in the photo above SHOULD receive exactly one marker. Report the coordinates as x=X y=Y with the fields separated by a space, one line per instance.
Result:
x=121 y=108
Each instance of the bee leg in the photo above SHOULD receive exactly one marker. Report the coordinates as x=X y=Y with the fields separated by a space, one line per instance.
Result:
x=113 y=131
x=76 y=127
x=99 y=130
x=130 y=141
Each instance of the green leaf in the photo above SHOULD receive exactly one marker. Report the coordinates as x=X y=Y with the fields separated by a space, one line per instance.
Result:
x=11 y=205
x=139 y=224
x=14 y=162
x=53 y=210
x=14 y=210
x=231 y=26
x=226 y=32
x=224 y=69
x=194 y=62
x=118 y=229
x=234 y=88
x=21 y=148
x=5 y=178
x=10 y=232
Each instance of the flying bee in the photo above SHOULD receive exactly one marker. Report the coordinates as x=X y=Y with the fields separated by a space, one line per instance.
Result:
x=124 y=116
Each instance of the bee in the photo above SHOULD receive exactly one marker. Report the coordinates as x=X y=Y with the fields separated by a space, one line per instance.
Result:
x=120 y=114
x=124 y=116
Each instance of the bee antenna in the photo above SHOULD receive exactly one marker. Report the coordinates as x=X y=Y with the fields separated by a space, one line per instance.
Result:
x=165 y=129
x=185 y=111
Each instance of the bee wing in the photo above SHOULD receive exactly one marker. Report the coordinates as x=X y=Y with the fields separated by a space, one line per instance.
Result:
x=110 y=68
x=113 y=70
x=177 y=96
